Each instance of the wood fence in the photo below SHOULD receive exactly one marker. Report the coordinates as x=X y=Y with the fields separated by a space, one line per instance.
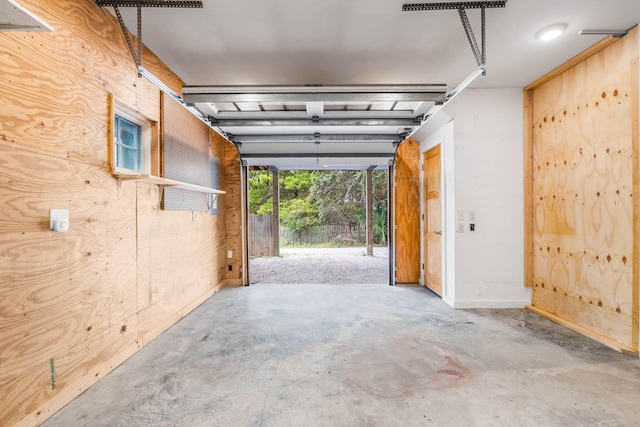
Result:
x=261 y=241
x=322 y=234
x=261 y=236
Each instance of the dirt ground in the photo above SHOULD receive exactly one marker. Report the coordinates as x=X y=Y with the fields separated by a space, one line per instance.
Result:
x=321 y=265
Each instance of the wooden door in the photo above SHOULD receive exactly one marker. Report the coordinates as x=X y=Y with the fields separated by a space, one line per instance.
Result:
x=433 y=223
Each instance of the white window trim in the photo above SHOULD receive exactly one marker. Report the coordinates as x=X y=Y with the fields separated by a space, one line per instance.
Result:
x=148 y=125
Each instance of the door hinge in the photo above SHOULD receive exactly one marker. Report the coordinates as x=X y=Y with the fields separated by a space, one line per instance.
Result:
x=423 y=265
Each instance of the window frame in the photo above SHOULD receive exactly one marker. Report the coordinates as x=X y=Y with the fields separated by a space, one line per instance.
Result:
x=147 y=133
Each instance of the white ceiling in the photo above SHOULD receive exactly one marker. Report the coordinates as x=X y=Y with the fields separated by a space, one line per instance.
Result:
x=368 y=42
x=14 y=17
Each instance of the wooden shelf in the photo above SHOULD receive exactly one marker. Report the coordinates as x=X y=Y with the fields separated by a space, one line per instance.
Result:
x=166 y=182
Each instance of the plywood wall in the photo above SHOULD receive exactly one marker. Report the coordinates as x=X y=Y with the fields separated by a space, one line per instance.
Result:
x=407 y=212
x=74 y=305
x=582 y=171
x=234 y=213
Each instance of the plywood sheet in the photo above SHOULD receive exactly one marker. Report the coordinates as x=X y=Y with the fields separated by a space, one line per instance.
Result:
x=78 y=298
x=233 y=202
x=582 y=193
x=407 y=212
x=64 y=374
x=60 y=288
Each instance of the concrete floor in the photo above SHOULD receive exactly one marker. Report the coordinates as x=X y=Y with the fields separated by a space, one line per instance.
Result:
x=361 y=355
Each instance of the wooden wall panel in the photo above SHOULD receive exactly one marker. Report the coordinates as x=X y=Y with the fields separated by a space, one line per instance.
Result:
x=89 y=298
x=83 y=275
x=218 y=148
x=407 y=212
x=582 y=194
x=165 y=287
x=232 y=205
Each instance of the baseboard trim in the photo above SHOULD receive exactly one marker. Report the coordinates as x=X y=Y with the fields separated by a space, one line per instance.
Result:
x=469 y=304
x=232 y=283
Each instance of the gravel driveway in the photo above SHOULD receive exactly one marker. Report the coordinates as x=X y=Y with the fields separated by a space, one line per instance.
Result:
x=322 y=265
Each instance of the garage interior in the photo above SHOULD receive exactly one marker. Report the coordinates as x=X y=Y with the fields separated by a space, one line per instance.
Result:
x=514 y=182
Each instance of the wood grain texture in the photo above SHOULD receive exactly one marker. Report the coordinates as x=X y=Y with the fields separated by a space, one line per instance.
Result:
x=407 y=212
x=433 y=222
x=528 y=187
x=59 y=289
x=635 y=144
x=583 y=194
x=74 y=371
x=89 y=298
x=233 y=203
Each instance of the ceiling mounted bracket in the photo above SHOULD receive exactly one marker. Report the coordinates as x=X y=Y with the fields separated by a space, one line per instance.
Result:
x=480 y=55
x=139 y=4
x=461 y=7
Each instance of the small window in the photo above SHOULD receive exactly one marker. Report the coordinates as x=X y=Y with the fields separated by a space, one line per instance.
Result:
x=129 y=147
x=132 y=137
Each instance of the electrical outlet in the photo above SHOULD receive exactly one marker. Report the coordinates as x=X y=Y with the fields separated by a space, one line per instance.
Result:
x=460 y=227
x=59 y=220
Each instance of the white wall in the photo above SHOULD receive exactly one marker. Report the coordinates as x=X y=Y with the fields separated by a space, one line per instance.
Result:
x=441 y=132
x=488 y=264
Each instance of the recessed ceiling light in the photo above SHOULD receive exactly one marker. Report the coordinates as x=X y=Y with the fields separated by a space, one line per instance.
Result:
x=551 y=32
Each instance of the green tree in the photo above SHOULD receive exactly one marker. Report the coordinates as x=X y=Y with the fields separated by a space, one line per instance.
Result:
x=296 y=210
x=260 y=192
x=339 y=195
x=298 y=214
x=296 y=184
x=308 y=198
